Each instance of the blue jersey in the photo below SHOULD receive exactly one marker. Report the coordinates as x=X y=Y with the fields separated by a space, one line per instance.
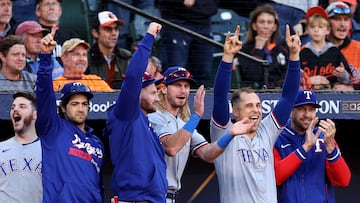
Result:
x=309 y=183
x=136 y=151
x=72 y=159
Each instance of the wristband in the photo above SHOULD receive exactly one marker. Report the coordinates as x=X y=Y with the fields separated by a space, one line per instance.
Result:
x=192 y=123
x=224 y=140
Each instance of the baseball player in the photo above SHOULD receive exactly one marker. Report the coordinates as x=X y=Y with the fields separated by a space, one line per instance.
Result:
x=72 y=154
x=245 y=170
x=136 y=152
x=308 y=162
x=20 y=156
x=175 y=127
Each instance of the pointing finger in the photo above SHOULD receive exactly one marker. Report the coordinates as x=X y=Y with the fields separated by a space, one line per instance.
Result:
x=53 y=30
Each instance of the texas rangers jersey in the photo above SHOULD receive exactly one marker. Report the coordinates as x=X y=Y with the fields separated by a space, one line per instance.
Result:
x=20 y=171
x=312 y=181
x=135 y=149
x=248 y=175
x=72 y=158
x=165 y=123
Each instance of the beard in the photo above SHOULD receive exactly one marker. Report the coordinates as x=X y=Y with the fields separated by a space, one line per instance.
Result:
x=26 y=123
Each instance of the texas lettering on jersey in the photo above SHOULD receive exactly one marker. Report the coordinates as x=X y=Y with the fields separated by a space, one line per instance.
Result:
x=258 y=157
x=25 y=164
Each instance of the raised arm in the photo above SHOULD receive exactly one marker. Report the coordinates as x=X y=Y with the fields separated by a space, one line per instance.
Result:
x=46 y=100
x=128 y=99
x=232 y=45
x=292 y=79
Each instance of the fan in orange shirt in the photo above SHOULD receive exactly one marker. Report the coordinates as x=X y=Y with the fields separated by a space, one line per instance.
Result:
x=75 y=61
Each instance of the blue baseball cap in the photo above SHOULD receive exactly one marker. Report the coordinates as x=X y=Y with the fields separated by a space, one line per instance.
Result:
x=306 y=97
x=173 y=74
x=148 y=79
x=73 y=88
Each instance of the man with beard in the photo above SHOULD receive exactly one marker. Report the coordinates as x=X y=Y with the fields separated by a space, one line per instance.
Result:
x=307 y=160
x=340 y=24
x=136 y=152
x=20 y=156
x=73 y=155
x=105 y=59
x=176 y=126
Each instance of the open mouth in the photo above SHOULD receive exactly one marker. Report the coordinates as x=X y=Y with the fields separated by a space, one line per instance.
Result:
x=17 y=118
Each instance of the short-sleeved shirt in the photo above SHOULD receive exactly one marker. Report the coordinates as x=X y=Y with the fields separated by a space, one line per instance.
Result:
x=165 y=123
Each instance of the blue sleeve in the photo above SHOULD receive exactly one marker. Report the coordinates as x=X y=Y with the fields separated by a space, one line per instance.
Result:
x=290 y=88
x=221 y=113
x=128 y=100
x=46 y=100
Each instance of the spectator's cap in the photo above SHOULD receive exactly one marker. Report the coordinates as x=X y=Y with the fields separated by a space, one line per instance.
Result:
x=30 y=27
x=176 y=73
x=70 y=44
x=39 y=1
x=72 y=88
x=338 y=8
x=316 y=10
x=306 y=97
x=105 y=18
x=148 y=79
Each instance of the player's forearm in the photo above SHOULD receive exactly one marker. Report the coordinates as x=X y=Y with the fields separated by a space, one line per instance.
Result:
x=338 y=172
x=286 y=167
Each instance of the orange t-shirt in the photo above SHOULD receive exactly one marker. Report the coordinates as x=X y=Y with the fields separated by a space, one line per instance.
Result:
x=94 y=82
x=352 y=54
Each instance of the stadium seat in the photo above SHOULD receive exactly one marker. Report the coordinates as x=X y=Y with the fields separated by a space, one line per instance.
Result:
x=140 y=24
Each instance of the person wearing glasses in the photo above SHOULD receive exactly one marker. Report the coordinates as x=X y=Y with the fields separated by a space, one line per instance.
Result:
x=245 y=171
x=340 y=25
x=105 y=59
x=48 y=13
x=72 y=154
x=175 y=125
x=136 y=152
x=307 y=159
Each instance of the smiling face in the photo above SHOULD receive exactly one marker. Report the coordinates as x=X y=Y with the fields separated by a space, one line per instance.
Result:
x=302 y=116
x=22 y=115
x=75 y=62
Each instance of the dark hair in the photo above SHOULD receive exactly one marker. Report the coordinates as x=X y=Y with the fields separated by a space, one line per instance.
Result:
x=236 y=96
x=250 y=37
x=9 y=42
x=27 y=95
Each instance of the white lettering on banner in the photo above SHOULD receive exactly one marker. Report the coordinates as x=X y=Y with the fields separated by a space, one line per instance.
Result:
x=100 y=107
x=327 y=106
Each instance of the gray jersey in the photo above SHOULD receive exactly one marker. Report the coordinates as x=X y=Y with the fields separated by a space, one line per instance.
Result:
x=20 y=172
x=164 y=123
x=245 y=170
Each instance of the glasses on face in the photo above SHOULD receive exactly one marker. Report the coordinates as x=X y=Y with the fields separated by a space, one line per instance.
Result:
x=147 y=77
x=48 y=4
x=339 y=10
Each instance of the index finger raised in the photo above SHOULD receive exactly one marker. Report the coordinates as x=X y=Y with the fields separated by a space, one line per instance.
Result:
x=53 y=30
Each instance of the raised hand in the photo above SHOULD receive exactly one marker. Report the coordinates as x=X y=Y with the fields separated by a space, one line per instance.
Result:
x=310 y=137
x=242 y=127
x=154 y=28
x=294 y=44
x=232 y=45
x=48 y=43
x=328 y=128
x=199 y=101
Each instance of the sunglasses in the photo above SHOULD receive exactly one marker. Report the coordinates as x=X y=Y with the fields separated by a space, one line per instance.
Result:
x=147 y=77
x=179 y=74
x=339 y=10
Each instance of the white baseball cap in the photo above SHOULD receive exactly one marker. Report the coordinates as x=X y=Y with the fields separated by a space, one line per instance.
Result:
x=106 y=18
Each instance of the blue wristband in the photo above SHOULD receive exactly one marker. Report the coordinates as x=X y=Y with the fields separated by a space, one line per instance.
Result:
x=192 y=123
x=224 y=140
